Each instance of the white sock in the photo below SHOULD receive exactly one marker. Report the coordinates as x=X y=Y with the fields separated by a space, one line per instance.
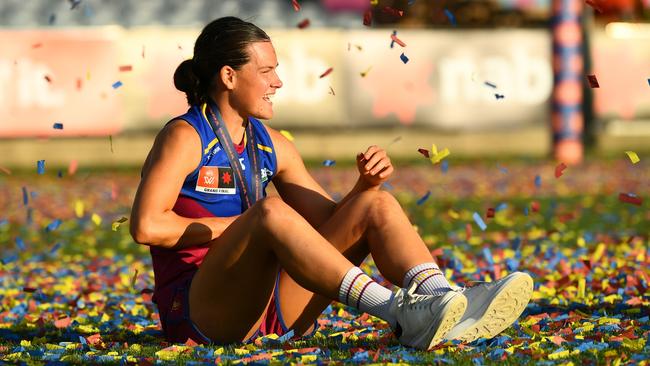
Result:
x=429 y=278
x=361 y=292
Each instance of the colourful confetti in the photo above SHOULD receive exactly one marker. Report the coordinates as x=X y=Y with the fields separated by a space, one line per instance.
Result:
x=451 y=17
x=403 y=58
x=58 y=126
x=304 y=23
x=327 y=72
x=287 y=134
x=296 y=6
x=479 y=221
x=117 y=84
x=559 y=170
x=40 y=167
x=125 y=68
x=593 y=82
x=634 y=158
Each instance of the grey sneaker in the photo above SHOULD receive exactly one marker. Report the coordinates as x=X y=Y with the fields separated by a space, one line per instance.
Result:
x=493 y=307
x=423 y=320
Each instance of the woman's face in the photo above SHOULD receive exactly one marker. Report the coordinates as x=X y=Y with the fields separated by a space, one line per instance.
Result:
x=256 y=82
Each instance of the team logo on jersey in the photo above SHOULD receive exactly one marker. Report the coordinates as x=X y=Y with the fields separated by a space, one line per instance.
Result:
x=266 y=174
x=216 y=180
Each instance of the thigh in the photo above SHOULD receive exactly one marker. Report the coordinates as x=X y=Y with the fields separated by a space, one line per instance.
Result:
x=345 y=230
x=233 y=285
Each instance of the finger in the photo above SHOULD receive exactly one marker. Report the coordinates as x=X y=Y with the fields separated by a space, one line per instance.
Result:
x=376 y=162
x=370 y=151
x=380 y=166
x=386 y=172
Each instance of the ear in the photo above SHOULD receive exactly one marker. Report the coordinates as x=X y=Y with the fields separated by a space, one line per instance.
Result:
x=228 y=77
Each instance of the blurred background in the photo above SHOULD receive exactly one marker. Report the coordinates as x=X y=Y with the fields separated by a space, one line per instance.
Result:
x=90 y=81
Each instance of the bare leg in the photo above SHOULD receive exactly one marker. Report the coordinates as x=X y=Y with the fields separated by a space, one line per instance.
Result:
x=231 y=289
x=371 y=222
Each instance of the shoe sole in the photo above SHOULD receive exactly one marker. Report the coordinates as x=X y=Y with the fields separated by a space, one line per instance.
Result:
x=454 y=311
x=505 y=309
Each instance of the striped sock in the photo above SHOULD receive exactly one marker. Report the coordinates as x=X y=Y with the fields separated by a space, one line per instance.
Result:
x=360 y=291
x=429 y=278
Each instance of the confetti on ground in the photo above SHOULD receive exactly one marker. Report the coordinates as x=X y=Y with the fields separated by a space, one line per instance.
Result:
x=304 y=23
x=634 y=158
x=404 y=58
x=327 y=72
x=116 y=224
x=451 y=17
x=593 y=82
x=57 y=126
x=81 y=293
x=479 y=221
x=630 y=198
x=559 y=170
x=117 y=84
x=287 y=134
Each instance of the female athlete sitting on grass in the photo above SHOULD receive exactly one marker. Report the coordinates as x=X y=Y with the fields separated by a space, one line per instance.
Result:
x=231 y=264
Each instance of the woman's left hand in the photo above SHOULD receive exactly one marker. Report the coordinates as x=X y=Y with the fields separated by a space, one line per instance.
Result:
x=374 y=166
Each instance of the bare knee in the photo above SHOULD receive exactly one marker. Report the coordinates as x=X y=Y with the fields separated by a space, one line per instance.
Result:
x=272 y=211
x=382 y=207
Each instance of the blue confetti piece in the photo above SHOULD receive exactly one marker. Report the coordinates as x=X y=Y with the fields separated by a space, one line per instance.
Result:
x=117 y=84
x=404 y=58
x=392 y=42
x=58 y=126
x=444 y=166
x=479 y=221
x=4 y=222
x=285 y=337
x=526 y=210
x=424 y=198
x=8 y=259
x=40 y=167
x=512 y=264
x=329 y=162
x=538 y=181
x=25 y=196
x=20 y=244
x=648 y=81
x=451 y=17
x=55 y=248
x=502 y=206
x=53 y=225
x=360 y=356
x=487 y=253
x=59 y=173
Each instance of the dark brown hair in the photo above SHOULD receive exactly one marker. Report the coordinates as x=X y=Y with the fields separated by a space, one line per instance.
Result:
x=222 y=42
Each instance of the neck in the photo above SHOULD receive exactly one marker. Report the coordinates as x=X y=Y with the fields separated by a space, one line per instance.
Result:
x=235 y=123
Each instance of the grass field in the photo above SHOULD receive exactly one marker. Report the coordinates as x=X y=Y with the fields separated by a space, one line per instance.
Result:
x=74 y=290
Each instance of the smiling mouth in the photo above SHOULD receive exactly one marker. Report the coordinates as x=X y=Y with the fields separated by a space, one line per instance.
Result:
x=268 y=97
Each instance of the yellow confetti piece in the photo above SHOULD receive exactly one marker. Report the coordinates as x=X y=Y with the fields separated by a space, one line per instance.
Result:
x=558 y=355
x=598 y=253
x=436 y=156
x=634 y=158
x=241 y=351
x=308 y=358
x=454 y=215
x=88 y=75
x=26 y=343
x=581 y=288
x=117 y=223
x=287 y=134
x=79 y=208
x=96 y=219
x=364 y=73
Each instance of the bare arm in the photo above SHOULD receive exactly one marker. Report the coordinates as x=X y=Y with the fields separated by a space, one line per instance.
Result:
x=300 y=191
x=176 y=152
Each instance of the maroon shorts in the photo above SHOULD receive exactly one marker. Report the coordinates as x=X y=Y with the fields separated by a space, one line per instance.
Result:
x=179 y=328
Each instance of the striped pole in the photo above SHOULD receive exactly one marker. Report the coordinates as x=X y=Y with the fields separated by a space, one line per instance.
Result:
x=568 y=65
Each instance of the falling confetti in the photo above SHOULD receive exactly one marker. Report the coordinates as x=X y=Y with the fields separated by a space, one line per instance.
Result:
x=634 y=158
x=110 y=141
x=451 y=17
x=499 y=96
x=367 y=18
x=117 y=84
x=327 y=72
x=329 y=162
x=404 y=58
x=424 y=198
x=493 y=86
x=304 y=23
x=116 y=224
x=287 y=134
x=593 y=82
x=394 y=38
x=364 y=73
x=559 y=170
x=296 y=6
x=392 y=11
x=58 y=126
x=479 y=221
x=125 y=68
x=40 y=167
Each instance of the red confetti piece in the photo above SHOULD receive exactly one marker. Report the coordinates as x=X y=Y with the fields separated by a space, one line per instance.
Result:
x=424 y=152
x=29 y=289
x=534 y=206
x=63 y=322
x=125 y=68
x=397 y=40
x=392 y=11
x=490 y=212
x=468 y=231
x=559 y=170
x=367 y=18
x=327 y=72
x=627 y=198
x=304 y=23
x=295 y=4
x=37 y=45
x=48 y=78
x=593 y=82
x=79 y=83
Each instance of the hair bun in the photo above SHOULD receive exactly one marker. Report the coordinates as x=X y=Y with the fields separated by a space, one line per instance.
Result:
x=186 y=80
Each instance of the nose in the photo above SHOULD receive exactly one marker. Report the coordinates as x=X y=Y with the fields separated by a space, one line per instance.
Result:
x=277 y=83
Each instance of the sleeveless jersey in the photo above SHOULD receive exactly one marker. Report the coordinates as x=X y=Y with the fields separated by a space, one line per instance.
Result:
x=210 y=190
